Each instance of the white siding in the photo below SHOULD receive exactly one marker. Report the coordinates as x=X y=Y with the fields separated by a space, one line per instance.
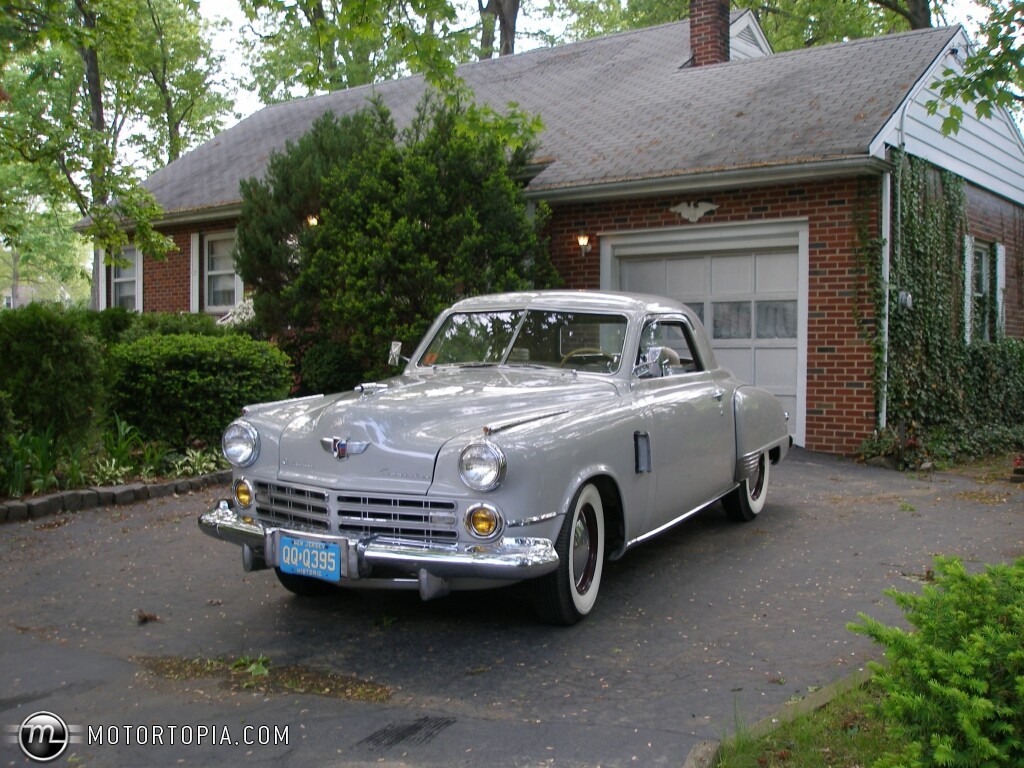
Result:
x=988 y=153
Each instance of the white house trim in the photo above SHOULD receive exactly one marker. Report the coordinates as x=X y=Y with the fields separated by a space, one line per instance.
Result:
x=193 y=294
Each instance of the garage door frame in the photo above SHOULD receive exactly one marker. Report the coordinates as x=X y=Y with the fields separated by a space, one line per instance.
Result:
x=711 y=239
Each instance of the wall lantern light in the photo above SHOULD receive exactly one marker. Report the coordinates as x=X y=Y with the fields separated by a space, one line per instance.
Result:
x=584 y=242
x=312 y=220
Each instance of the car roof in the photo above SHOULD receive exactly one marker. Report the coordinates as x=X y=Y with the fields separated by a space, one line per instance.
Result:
x=580 y=301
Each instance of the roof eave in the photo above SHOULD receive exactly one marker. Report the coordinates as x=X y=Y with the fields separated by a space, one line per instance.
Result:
x=712 y=180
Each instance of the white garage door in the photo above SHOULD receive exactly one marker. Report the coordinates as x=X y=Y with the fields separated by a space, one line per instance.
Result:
x=749 y=300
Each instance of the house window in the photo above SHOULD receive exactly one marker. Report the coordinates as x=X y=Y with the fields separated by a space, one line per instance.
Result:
x=220 y=273
x=125 y=293
x=8 y=302
x=985 y=285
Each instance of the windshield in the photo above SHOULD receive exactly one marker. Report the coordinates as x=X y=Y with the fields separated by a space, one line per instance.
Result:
x=584 y=341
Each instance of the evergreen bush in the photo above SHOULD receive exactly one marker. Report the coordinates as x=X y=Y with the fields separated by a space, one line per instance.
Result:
x=52 y=370
x=954 y=688
x=183 y=389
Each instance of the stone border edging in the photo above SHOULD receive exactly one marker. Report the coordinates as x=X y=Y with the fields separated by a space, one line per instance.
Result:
x=36 y=507
x=705 y=753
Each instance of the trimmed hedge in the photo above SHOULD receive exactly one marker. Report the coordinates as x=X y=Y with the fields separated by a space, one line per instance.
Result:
x=183 y=389
x=52 y=371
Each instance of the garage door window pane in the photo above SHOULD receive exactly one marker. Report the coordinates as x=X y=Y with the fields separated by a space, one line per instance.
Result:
x=698 y=310
x=731 y=320
x=776 y=319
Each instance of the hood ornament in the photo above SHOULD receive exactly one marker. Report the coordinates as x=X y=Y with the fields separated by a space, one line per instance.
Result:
x=341 y=447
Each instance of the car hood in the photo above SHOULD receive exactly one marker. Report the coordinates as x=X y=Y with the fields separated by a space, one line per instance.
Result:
x=392 y=431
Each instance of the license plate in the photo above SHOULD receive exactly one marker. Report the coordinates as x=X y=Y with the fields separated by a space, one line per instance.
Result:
x=310 y=557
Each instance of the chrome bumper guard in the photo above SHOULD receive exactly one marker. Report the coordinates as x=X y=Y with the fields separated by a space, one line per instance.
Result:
x=506 y=559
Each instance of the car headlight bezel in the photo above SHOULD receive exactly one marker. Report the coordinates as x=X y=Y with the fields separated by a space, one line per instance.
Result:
x=484 y=522
x=241 y=444
x=482 y=466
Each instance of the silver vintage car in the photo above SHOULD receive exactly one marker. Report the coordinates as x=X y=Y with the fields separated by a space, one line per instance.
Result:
x=531 y=436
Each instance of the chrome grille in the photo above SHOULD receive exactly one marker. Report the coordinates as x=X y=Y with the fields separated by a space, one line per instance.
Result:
x=401 y=518
x=290 y=507
x=356 y=515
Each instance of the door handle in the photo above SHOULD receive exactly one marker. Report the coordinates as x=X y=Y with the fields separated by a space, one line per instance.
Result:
x=718 y=394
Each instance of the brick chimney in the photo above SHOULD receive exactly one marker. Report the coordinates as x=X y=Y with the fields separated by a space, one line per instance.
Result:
x=709 y=31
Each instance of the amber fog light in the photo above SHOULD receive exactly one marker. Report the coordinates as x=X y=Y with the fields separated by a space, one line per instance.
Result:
x=244 y=494
x=484 y=521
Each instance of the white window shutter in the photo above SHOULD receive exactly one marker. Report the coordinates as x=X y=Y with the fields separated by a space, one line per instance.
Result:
x=193 y=272
x=102 y=290
x=968 y=285
x=139 y=258
x=1000 y=290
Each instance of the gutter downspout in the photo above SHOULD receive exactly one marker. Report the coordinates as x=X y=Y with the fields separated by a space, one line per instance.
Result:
x=883 y=400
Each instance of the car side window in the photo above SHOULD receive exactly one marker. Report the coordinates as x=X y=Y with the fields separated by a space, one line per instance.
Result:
x=666 y=349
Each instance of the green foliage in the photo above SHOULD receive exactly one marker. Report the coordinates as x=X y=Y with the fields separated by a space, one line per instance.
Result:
x=407 y=223
x=991 y=78
x=181 y=389
x=947 y=399
x=76 y=74
x=51 y=370
x=328 y=367
x=954 y=688
x=186 y=388
x=196 y=462
x=788 y=24
x=408 y=227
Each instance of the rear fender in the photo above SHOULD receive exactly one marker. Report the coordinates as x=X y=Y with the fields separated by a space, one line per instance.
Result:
x=761 y=425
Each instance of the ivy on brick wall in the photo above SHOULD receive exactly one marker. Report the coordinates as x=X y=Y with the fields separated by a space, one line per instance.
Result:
x=946 y=399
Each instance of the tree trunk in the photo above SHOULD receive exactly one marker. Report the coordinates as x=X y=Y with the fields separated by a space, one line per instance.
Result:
x=508 y=13
x=97 y=152
x=488 y=22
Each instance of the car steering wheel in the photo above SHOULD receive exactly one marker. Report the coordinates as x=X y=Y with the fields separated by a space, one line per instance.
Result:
x=591 y=352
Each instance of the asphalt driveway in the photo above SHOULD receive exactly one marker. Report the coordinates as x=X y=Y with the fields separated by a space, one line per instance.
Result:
x=712 y=622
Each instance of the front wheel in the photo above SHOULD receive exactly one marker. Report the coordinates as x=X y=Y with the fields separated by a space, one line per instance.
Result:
x=568 y=594
x=303 y=586
x=745 y=502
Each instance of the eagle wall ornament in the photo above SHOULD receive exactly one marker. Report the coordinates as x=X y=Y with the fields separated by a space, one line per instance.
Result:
x=694 y=211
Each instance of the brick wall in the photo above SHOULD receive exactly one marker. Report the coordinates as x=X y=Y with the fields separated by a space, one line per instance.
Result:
x=840 y=399
x=167 y=282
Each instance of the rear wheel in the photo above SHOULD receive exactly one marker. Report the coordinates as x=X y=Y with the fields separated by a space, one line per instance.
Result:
x=568 y=594
x=303 y=586
x=747 y=500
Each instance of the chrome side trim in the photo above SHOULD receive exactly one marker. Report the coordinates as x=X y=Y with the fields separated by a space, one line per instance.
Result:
x=492 y=429
x=746 y=466
x=532 y=520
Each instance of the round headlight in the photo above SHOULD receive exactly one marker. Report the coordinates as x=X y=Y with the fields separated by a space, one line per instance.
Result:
x=241 y=444
x=482 y=466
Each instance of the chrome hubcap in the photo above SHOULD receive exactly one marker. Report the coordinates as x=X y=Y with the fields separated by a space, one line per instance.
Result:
x=583 y=543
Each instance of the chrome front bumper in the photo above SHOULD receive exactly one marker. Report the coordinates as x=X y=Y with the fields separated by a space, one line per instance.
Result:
x=507 y=559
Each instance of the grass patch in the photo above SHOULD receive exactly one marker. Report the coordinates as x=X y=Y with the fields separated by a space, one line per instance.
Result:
x=258 y=674
x=845 y=733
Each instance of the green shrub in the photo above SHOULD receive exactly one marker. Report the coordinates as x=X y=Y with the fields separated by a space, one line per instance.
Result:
x=327 y=367
x=180 y=389
x=954 y=688
x=52 y=370
x=172 y=323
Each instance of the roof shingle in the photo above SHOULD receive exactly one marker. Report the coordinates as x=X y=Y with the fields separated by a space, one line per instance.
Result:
x=619 y=109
